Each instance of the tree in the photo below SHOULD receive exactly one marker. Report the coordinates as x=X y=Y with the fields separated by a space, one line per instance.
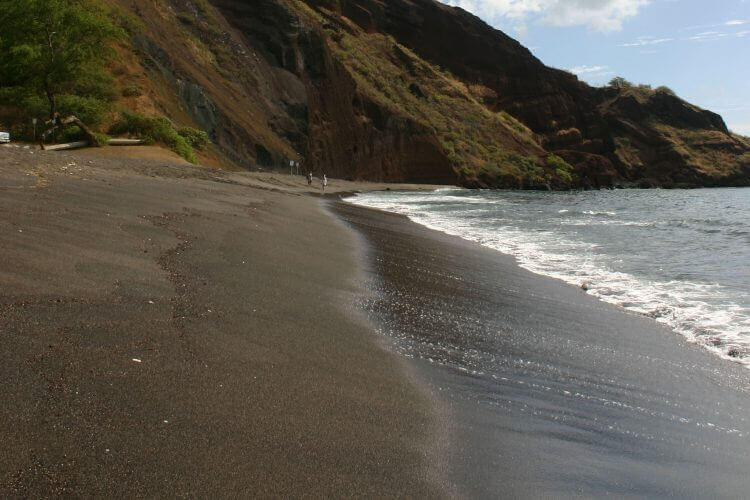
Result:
x=665 y=90
x=53 y=48
x=619 y=82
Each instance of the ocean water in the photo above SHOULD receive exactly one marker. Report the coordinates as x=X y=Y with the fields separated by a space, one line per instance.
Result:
x=681 y=257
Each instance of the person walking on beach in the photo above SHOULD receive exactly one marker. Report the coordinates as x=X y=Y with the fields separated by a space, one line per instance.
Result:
x=309 y=178
x=324 y=183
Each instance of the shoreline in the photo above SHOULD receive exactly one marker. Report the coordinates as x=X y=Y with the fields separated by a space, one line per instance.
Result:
x=536 y=372
x=717 y=345
x=437 y=442
x=178 y=330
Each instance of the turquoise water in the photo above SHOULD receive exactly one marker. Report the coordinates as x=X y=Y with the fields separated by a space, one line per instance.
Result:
x=680 y=257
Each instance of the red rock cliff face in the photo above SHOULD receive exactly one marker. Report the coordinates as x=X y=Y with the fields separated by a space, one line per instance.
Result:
x=347 y=135
x=273 y=80
x=545 y=99
x=611 y=136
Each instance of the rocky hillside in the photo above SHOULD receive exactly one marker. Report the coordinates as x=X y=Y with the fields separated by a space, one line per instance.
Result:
x=407 y=90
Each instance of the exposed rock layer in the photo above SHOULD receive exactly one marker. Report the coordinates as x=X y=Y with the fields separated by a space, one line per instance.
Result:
x=277 y=85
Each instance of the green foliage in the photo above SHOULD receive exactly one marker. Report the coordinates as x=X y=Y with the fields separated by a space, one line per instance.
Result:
x=71 y=134
x=515 y=124
x=132 y=91
x=98 y=84
x=198 y=139
x=90 y=110
x=202 y=6
x=28 y=105
x=562 y=168
x=100 y=139
x=182 y=148
x=642 y=89
x=21 y=106
x=186 y=18
x=619 y=82
x=131 y=23
x=34 y=105
x=530 y=170
x=665 y=90
x=53 y=58
x=153 y=129
x=558 y=163
x=150 y=129
x=74 y=133
x=478 y=142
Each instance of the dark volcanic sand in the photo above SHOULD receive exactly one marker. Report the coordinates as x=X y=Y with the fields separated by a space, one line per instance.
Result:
x=258 y=376
x=167 y=331
x=551 y=392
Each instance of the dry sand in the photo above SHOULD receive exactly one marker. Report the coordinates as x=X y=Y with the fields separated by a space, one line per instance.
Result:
x=167 y=330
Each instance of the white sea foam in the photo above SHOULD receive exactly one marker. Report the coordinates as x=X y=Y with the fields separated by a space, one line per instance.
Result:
x=705 y=313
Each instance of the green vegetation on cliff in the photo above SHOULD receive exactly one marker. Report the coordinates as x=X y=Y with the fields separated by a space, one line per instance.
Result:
x=485 y=147
x=56 y=60
x=392 y=91
x=54 y=55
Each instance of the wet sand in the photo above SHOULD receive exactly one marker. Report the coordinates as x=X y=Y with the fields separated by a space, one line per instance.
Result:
x=168 y=330
x=551 y=392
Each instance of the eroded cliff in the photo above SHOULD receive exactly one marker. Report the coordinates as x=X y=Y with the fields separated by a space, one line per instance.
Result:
x=413 y=90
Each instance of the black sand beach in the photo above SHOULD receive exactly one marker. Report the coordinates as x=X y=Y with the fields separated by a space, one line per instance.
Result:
x=552 y=393
x=167 y=330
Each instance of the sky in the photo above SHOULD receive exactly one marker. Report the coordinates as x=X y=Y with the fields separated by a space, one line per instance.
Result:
x=698 y=48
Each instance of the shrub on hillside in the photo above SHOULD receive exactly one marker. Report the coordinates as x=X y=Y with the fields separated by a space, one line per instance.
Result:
x=665 y=90
x=153 y=129
x=563 y=169
x=198 y=139
x=90 y=110
x=619 y=82
x=186 y=18
x=74 y=133
x=132 y=91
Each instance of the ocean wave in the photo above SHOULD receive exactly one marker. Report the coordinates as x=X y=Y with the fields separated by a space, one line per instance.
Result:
x=705 y=313
x=593 y=212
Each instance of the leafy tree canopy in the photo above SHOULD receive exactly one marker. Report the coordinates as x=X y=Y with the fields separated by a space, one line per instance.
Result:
x=619 y=82
x=55 y=48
